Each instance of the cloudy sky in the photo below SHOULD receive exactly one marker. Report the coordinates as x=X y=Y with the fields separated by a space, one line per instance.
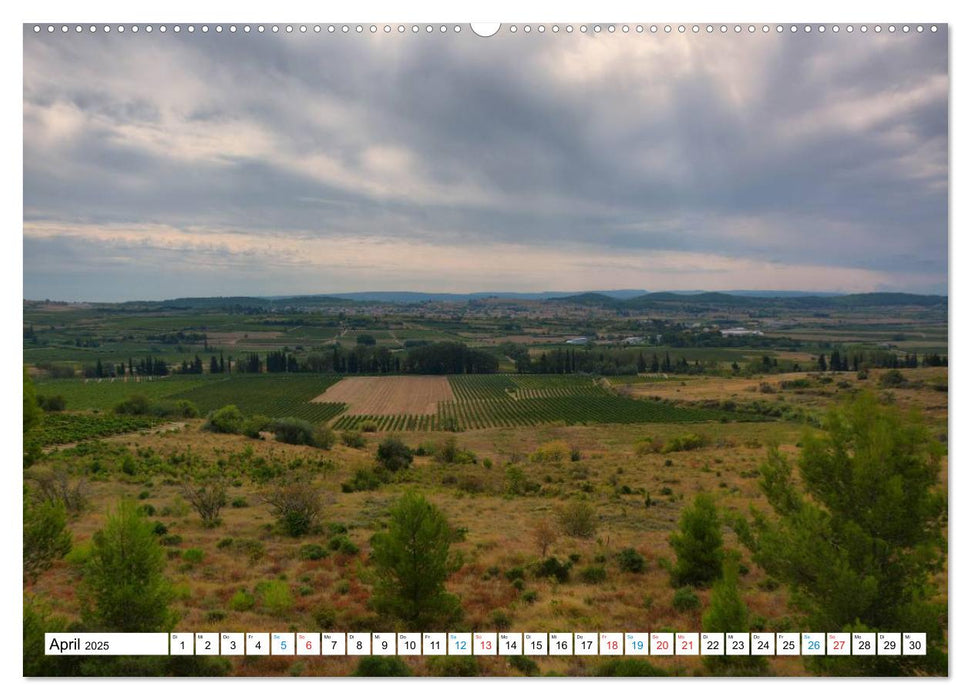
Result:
x=164 y=165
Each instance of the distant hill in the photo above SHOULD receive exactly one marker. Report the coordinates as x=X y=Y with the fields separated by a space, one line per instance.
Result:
x=421 y=297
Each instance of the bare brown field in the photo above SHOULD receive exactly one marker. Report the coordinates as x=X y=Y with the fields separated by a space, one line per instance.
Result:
x=389 y=396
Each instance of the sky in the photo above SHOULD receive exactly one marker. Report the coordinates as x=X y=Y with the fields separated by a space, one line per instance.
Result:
x=170 y=165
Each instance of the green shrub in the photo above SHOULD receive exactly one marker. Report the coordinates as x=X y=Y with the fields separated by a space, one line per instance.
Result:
x=369 y=426
x=578 y=519
x=683 y=443
x=893 y=378
x=293 y=431
x=382 y=667
x=312 y=552
x=135 y=405
x=227 y=419
x=275 y=597
x=352 y=438
x=323 y=437
x=52 y=404
x=593 y=574
x=552 y=567
x=454 y=666
x=254 y=425
x=193 y=556
x=631 y=560
x=239 y=503
x=685 y=599
x=393 y=454
x=296 y=507
x=556 y=451
x=448 y=452
x=242 y=601
x=325 y=617
x=364 y=480
x=524 y=665
x=343 y=545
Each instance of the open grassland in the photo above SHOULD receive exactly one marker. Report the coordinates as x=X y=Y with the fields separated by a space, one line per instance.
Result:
x=223 y=576
x=388 y=396
x=246 y=575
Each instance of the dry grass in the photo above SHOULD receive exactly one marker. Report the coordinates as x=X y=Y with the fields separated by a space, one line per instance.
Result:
x=611 y=475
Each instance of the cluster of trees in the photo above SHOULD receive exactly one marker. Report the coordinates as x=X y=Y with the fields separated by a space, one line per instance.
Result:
x=858 y=538
x=855 y=360
x=362 y=358
x=603 y=361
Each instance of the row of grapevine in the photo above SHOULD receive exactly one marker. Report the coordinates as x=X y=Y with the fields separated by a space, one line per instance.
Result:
x=387 y=423
x=470 y=387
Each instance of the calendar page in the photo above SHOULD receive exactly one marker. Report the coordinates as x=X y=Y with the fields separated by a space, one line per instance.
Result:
x=584 y=349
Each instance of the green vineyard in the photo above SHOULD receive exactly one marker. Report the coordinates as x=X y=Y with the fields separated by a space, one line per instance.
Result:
x=275 y=396
x=497 y=401
x=62 y=428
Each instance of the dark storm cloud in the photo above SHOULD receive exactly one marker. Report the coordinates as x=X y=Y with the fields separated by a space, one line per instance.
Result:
x=823 y=155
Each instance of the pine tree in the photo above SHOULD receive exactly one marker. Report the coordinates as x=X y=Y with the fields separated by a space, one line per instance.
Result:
x=860 y=537
x=697 y=544
x=412 y=562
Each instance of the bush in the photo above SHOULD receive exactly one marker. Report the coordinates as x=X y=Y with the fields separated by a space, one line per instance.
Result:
x=324 y=437
x=593 y=574
x=382 y=667
x=556 y=451
x=685 y=599
x=698 y=544
x=632 y=561
x=293 y=431
x=352 y=438
x=369 y=426
x=275 y=597
x=242 y=601
x=135 y=405
x=393 y=454
x=517 y=483
x=452 y=666
x=449 y=453
x=207 y=498
x=193 y=556
x=343 y=544
x=578 y=519
x=296 y=506
x=227 y=419
x=364 y=480
x=312 y=552
x=682 y=443
x=46 y=537
x=648 y=445
x=524 y=665
x=254 y=425
x=892 y=378
x=325 y=617
x=52 y=404
x=554 y=568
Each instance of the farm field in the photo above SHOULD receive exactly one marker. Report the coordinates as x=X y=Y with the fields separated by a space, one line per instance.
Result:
x=388 y=396
x=275 y=396
x=504 y=455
